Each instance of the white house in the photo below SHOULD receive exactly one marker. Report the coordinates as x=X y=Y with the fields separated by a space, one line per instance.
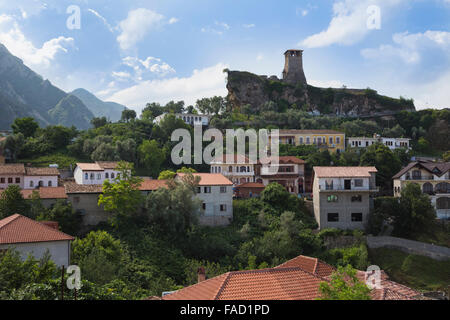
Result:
x=237 y=168
x=391 y=143
x=27 y=177
x=30 y=237
x=216 y=193
x=95 y=173
x=188 y=118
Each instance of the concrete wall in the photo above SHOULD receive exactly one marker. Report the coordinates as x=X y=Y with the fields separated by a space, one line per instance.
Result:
x=59 y=250
x=32 y=182
x=87 y=204
x=410 y=246
x=213 y=201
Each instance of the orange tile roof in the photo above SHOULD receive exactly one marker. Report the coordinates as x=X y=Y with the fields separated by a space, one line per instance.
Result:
x=151 y=185
x=296 y=279
x=12 y=168
x=251 y=185
x=44 y=193
x=339 y=172
x=42 y=172
x=210 y=179
x=20 y=229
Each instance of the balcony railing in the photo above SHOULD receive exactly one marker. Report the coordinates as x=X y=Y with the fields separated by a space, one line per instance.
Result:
x=342 y=188
x=418 y=178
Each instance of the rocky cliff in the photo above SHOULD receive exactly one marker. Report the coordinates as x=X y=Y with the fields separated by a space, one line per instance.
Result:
x=260 y=93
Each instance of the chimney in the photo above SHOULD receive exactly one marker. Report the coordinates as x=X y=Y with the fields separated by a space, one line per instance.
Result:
x=201 y=274
x=51 y=224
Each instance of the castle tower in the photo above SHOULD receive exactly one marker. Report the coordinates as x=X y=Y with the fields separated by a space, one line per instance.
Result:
x=293 y=67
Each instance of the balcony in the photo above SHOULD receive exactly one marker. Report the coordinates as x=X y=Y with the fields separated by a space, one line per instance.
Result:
x=343 y=189
x=419 y=178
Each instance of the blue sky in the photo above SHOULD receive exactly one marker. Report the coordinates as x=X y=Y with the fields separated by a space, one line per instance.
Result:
x=134 y=52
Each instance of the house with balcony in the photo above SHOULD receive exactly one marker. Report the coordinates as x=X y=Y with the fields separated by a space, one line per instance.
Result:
x=433 y=179
x=289 y=171
x=190 y=119
x=343 y=196
x=237 y=168
x=95 y=173
x=330 y=140
x=216 y=193
x=391 y=143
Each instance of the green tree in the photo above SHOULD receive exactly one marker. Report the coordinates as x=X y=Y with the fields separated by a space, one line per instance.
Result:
x=344 y=285
x=12 y=202
x=63 y=213
x=99 y=122
x=151 y=156
x=26 y=126
x=122 y=197
x=275 y=195
x=128 y=115
x=167 y=175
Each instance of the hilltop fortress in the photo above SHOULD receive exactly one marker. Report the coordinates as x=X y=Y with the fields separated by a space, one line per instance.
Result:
x=265 y=93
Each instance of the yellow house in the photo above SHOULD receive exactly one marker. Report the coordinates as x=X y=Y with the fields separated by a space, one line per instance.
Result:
x=332 y=140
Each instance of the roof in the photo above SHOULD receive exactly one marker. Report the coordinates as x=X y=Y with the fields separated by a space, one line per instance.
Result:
x=251 y=185
x=13 y=168
x=437 y=168
x=20 y=229
x=338 y=172
x=310 y=131
x=73 y=187
x=151 y=185
x=236 y=158
x=209 y=179
x=293 y=50
x=98 y=165
x=283 y=160
x=296 y=279
x=44 y=193
x=42 y=171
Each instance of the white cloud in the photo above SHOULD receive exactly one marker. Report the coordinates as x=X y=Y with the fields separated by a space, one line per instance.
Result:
x=137 y=25
x=27 y=8
x=202 y=83
x=349 y=23
x=150 y=65
x=16 y=42
x=105 y=22
x=248 y=26
x=259 y=57
x=220 y=28
x=326 y=83
x=173 y=20
x=408 y=47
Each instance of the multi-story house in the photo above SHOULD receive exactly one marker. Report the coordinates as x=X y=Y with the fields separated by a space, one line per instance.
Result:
x=235 y=167
x=95 y=173
x=216 y=193
x=190 y=119
x=391 y=143
x=342 y=196
x=434 y=180
x=290 y=174
x=27 y=177
x=331 y=140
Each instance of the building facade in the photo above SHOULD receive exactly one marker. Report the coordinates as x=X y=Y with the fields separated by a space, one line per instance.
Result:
x=27 y=177
x=290 y=174
x=190 y=119
x=433 y=179
x=330 y=140
x=216 y=193
x=342 y=196
x=237 y=168
x=95 y=173
x=391 y=143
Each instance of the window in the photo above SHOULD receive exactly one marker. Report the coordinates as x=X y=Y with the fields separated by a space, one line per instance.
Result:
x=230 y=169
x=106 y=175
x=220 y=169
x=333 y=217
x=49 y=183
x=223 y=189
x=319 y=140
x=314 y=140
x=204 y=206
x=17 y=180
x=99 y=176
x=338 y=140
x=199 y=190
x=357 y=198
x=358 y=182
x=31 y=184
x=10 y=180
x=308 y=141
x=331 y=140
x=86 y=176
x=2 y=180
x=92 y=176
x=223 y=207
x=301 y=140
x=112 y=175
x=207 y=190
x=332 y=198
x=357 y=217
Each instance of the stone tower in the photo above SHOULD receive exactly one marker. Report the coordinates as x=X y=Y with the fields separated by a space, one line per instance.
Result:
x=293 y=67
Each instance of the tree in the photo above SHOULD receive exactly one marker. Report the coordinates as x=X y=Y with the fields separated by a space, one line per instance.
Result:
x=151 y=111
x=99 y=122
x=344 y=285
x=166 y=175
x=186 y=170
x=63 y=213
x=12 y=202
x=275 y=195
x=214 y=105
x=174 y=107
x=122 y=197
x=26 y=126
x=151 y=156
x=128 y=115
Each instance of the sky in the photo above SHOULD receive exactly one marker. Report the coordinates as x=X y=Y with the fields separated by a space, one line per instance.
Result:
x=134 y=52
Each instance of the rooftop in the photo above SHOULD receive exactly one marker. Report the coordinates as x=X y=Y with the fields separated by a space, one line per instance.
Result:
x=20 y=229
x=341 y=172
x=310 y=131
x=210 y=179
x=13 y=168
x=437 y=168
x=44 y=193
x=98 y=166
x=42 y=171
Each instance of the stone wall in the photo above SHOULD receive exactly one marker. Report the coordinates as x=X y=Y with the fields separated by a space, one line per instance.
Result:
x=410 y=246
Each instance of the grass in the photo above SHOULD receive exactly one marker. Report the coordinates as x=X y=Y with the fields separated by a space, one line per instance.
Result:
x=63 y=161
x=418 y=272
x=439 y=235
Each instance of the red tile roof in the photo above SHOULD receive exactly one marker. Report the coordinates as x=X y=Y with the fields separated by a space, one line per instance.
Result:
x=296 y=279
x=42 y=172
x=283 y=160
x=20 y=229
x=13 y=168
x=151 y=185
x=44 y=193
x=251 y=185
x=339 y=172
x=210 y=179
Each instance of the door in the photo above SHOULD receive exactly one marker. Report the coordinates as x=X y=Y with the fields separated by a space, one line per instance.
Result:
x=347 y=184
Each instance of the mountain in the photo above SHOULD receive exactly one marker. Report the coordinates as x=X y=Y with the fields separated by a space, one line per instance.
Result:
x=24 y=93
x=110 y=110
x=262 y=93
